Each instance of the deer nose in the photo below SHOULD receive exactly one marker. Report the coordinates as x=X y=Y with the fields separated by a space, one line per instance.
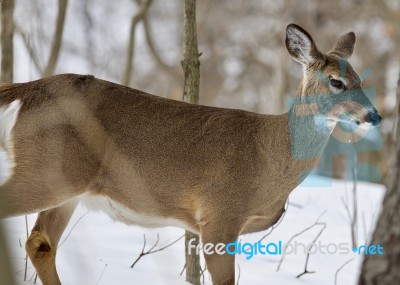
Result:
x=374 y=118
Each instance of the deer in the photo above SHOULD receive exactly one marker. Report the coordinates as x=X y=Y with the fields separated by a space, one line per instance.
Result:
x=152 y=161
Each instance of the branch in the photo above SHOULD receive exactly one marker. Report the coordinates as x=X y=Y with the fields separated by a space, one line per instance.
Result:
x=164 y=66
x=353 y=215
x=144 y=7
x=274 y=226
x=26 y=255
x=237 y=281
x=296 y=205
x=371 y=226
x=101 y=275
x=296 y=235
x=202 y=271
x=354 y=222
x=346 y=206
x=340 y=268
x=56 y=46
x=151 y=250
x=69 y=233
x=308 y=252
x=183 y=270
x=30 y=48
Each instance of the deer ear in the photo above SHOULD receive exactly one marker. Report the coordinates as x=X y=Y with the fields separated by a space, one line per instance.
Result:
x=345 y=45
x=301 y=46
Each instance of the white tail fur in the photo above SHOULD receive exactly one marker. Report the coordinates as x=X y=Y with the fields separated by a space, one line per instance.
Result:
x=8 y=118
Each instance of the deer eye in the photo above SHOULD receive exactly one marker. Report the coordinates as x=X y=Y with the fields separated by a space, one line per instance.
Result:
x=336 y=84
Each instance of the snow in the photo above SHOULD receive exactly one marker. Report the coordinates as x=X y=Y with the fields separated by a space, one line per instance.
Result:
x=99 y=251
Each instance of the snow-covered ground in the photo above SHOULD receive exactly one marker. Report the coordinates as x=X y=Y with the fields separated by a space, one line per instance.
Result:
x=99 y=251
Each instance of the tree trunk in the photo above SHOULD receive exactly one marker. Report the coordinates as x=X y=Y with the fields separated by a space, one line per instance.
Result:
x=384 y=269
x=7 y=35
x=190 y=62
x=191 y=72
x=57 y=39
x=7 y=76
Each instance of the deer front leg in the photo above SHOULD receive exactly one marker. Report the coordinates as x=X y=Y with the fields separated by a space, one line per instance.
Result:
x=42 y=243
x=220 y=266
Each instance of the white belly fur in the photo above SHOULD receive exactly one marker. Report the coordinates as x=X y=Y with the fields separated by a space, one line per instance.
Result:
x=118 y=212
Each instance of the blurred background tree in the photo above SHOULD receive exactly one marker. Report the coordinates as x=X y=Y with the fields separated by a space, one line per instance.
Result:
x=191 y=84
x=7 y=74
x=7 y=40
x=383 y=268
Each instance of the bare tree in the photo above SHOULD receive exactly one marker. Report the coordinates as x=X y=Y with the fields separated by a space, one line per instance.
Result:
x=7 y=64
x=7 y=35
x=144 y=7
x=190 y=62
x=156 y=56
x=58 y=33
x=191 y=72
x=383 y=269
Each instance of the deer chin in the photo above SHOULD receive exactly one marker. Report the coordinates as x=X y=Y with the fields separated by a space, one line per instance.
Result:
x=365 y=126
x=325 y=123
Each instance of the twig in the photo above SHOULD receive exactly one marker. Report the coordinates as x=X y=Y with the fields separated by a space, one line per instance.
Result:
x=371 y=227
x=101 y=275
x=34 y=277
x=364 y=224
x=237 y=282
x=26 y=255
x=305 y=272
x=69 y=233
x=353 y=217
x=153 y=50
x=57 y=39
x=296 y=235
x=308 y=252
x=340 y=268
x=202 y=271
x=346 y=206
x=295 y=205
x=354 y=221
x=30 y=48
x=151 y=250
x=183 y=270
x=274 y=226
x=144 y=7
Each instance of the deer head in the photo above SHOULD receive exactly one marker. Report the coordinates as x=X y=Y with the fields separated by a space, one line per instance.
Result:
x=330 y=86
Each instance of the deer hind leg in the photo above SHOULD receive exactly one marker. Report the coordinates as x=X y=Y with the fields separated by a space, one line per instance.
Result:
x=220 y=266
x=42 y=243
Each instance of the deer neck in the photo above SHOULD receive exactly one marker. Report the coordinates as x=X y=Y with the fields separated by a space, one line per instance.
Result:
x=309 y=131
x=294 y=150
